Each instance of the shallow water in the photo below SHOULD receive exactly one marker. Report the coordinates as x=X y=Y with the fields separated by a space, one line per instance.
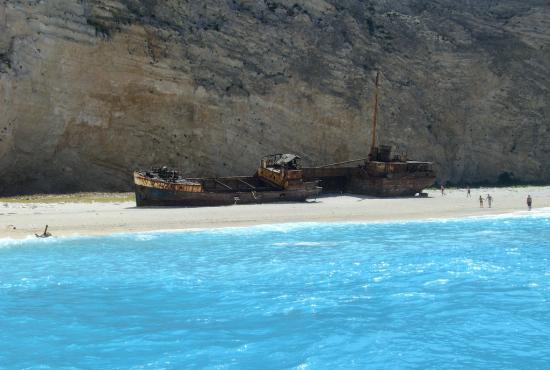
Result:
x=468 y=293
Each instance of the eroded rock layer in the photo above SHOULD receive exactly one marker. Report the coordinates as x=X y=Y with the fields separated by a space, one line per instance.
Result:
x=92 y=89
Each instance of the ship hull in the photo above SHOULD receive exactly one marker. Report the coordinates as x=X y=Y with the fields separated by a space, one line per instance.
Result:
x=153 y=197
x=356 y=180
x=220 y=191
x=387 y=187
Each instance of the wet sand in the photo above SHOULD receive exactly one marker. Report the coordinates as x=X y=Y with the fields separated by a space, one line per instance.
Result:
x=19 y=220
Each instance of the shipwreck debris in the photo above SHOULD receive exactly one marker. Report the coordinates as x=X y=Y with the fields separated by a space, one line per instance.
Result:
x=45 y=234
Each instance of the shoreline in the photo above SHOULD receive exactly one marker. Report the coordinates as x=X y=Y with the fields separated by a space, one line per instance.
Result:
x=535 y=212
x=22 y=220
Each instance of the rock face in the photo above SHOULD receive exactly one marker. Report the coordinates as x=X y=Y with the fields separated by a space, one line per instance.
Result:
x=92 y=89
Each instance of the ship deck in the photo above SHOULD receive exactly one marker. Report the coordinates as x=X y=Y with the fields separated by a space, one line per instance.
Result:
x=233 y=184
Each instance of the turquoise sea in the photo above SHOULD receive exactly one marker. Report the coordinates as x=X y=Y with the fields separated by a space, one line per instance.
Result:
x=456 y=294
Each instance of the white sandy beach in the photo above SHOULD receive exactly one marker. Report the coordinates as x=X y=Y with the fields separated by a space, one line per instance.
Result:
x=19 y=220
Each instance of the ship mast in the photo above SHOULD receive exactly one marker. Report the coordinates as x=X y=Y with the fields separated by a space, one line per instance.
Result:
x=375 y=115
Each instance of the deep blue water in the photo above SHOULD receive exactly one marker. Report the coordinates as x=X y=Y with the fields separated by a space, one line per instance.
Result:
x=461 y=294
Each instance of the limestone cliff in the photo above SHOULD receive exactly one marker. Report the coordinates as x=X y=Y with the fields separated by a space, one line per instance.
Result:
x=91 y=89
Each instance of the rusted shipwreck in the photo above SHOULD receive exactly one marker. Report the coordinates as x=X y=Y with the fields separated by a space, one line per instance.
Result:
x=380 y=174
x=279 y=178
x=379 y=177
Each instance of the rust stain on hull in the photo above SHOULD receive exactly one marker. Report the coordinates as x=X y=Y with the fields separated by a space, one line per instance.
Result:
x=141 y=179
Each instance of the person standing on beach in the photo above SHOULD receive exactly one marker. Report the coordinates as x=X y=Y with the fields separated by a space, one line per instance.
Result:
x=489 y=200
x=529 y=201
x=468 y=194
x=480 y=201
x=442 y=190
